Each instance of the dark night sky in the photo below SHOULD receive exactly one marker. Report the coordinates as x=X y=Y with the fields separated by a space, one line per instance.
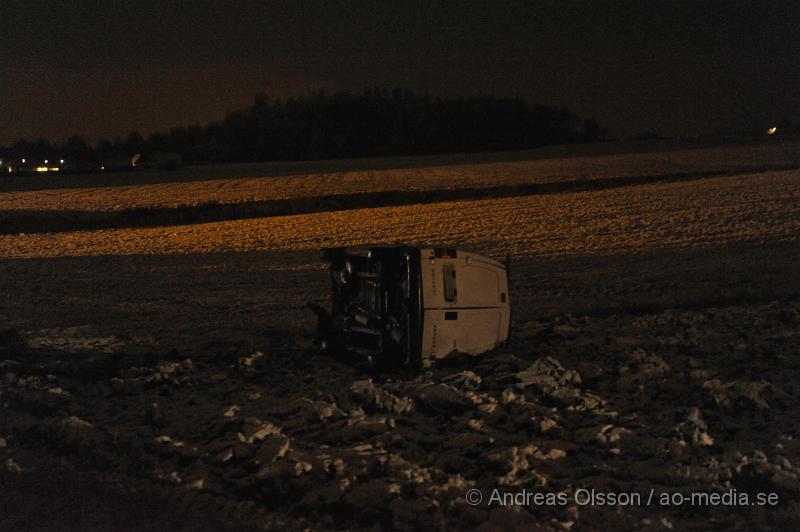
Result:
x=675 y=67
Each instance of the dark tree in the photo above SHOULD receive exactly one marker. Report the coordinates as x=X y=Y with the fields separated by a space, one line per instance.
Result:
x=374 y=122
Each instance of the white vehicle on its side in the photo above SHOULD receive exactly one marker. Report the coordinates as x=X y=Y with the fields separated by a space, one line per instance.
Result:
x=414 y=305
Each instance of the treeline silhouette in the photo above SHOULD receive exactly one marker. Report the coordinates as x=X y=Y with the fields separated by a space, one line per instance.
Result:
x=344 y=124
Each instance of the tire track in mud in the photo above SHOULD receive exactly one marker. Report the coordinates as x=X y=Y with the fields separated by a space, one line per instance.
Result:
x=37 y=221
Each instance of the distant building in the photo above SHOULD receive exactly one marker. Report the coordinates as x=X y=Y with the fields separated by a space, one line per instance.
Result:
x=26 y=165
x=155 y=161
x=117 y=164
x=158 y=161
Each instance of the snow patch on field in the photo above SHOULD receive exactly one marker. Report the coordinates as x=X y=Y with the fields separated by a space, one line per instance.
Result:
x=72 y=339
x=704 y=213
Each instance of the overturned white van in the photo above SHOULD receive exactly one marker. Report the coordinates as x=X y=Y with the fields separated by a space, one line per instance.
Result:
x=413 y=306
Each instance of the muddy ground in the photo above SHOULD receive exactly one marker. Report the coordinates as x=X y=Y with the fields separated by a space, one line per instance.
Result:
x=181 y=392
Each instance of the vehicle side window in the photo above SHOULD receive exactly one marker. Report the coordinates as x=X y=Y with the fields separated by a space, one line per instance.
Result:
x=449 y=271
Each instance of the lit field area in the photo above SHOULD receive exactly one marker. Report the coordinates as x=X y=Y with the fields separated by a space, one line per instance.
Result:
x=236 y=184
x=706 y=212
x=654 y=340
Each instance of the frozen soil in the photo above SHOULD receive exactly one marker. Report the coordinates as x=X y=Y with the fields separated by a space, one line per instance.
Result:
x=713 y=211
x=181 y=391
x=246 y=183
x=163 y=377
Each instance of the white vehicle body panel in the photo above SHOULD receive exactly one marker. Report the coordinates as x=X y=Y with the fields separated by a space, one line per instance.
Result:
x=466 y=305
